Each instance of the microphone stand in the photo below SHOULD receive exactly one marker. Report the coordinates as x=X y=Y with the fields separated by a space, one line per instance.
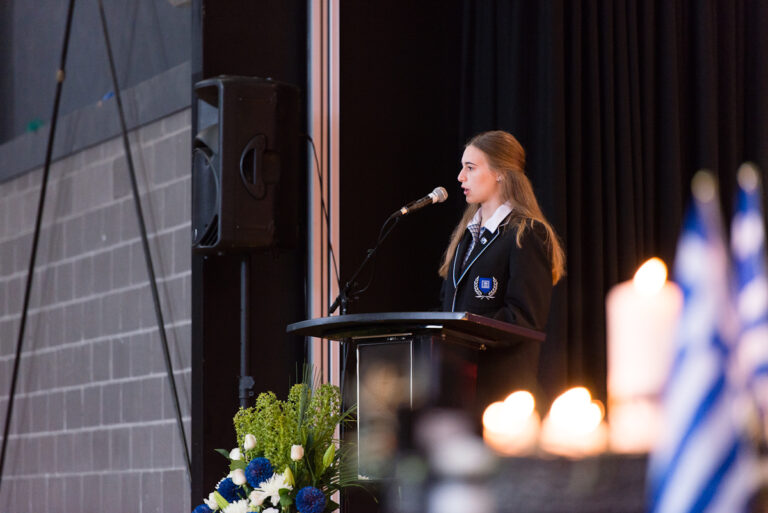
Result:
x=343 y=299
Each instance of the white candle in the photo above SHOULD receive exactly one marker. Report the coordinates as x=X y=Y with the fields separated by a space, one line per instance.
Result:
x=511 y=427
x=641 y=318
x=574 y=426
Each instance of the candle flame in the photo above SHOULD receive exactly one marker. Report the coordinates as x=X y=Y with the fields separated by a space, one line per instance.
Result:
x=575 y=412
x=511 y=415
x=512 y=427
x=650 y=277
x=521 y=402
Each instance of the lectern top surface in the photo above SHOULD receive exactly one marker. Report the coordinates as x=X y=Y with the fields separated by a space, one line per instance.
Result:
x=458 y=323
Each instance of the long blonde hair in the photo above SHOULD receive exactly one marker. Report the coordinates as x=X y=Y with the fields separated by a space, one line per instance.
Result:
x=506 y=156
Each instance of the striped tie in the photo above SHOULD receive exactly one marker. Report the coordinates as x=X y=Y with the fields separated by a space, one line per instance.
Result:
x=474 y=230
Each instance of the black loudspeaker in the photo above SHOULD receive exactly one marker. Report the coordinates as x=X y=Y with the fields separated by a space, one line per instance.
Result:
x=246 y=165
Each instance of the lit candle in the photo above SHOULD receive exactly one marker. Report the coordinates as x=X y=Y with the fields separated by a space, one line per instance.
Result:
x=574 y=426
x=511 y=427
x=642 y=316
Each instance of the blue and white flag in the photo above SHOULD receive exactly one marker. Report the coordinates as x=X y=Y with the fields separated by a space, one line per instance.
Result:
x=702 y=462
x=751 y=288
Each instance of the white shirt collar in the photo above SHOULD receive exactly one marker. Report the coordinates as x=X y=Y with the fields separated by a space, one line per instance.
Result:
x=493 y=222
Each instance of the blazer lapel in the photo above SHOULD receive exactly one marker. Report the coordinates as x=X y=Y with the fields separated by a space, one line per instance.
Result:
x=458 y=257
x=473 y=258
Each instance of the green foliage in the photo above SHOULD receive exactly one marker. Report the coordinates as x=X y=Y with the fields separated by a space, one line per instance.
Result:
x=323 y=415
x=237 y=464
x=274 y=425
x=221 y=501
x=308 y=417
x=329 y=455
x=285 y=498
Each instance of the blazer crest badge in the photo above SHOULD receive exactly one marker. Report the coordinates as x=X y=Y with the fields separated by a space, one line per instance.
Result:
x=485 y=288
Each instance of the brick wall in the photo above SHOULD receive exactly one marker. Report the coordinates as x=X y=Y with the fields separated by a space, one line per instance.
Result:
x=94 y=428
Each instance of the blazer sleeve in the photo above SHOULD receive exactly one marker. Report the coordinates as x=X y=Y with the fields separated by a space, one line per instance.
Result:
x=529 y=289
x=443 y=292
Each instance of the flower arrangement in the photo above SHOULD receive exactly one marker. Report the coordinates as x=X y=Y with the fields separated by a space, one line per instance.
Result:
x=286 y=459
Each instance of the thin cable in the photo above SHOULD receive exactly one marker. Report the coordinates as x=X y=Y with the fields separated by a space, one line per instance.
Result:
x=60 y=76
x=382 y=235
x=145 y=244
x=344 y=295
x=324 y=209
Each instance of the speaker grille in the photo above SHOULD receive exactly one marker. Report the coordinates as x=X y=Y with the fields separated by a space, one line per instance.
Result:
x=205 y=197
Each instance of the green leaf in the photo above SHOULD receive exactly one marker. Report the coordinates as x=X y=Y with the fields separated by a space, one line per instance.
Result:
x=285 y=498
x=331 y=506
x=220 y=500
x=223 y=452
x=330 y=452
x=236 y=464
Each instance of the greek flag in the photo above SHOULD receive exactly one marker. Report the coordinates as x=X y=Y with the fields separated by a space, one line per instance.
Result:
x=701 y=462
x=751 y=287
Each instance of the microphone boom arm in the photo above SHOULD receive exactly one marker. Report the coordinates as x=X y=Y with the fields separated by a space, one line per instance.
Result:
x=343 y=298
x=438 y=195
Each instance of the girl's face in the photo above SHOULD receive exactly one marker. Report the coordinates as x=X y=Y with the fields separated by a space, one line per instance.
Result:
x=480 y=183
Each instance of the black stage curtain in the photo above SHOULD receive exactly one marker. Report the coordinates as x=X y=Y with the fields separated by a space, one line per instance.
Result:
x=618 y=104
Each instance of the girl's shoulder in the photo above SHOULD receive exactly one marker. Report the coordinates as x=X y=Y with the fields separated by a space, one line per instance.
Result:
x=525 y=230
x=515 y=220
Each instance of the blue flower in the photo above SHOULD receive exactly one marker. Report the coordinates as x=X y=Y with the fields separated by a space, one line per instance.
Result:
x=229 y=490
x=310 y=500
x=202 y=508
x=258 y=471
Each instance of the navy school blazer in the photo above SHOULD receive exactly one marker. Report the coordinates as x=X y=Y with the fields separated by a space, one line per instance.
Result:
x=501 y=280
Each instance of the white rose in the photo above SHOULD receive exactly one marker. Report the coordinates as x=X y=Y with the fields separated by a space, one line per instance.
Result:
x=249 y=442
x=238 y=477
x=211 y=502
x=270 y=510
x=234 y=454
x=297 y=452
x=257 y=498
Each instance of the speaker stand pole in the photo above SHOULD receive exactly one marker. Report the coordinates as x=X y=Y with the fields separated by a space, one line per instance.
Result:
x=246 y=380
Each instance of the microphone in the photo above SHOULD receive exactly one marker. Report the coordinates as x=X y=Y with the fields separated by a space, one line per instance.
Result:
x=436 y=196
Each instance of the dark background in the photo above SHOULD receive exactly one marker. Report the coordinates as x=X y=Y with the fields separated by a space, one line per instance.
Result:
x=400 y=83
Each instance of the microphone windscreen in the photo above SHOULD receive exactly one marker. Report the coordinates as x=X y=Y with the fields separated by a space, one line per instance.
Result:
x=440 y=194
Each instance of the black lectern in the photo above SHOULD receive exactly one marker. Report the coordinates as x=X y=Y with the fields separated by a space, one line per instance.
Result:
x=395 y=361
